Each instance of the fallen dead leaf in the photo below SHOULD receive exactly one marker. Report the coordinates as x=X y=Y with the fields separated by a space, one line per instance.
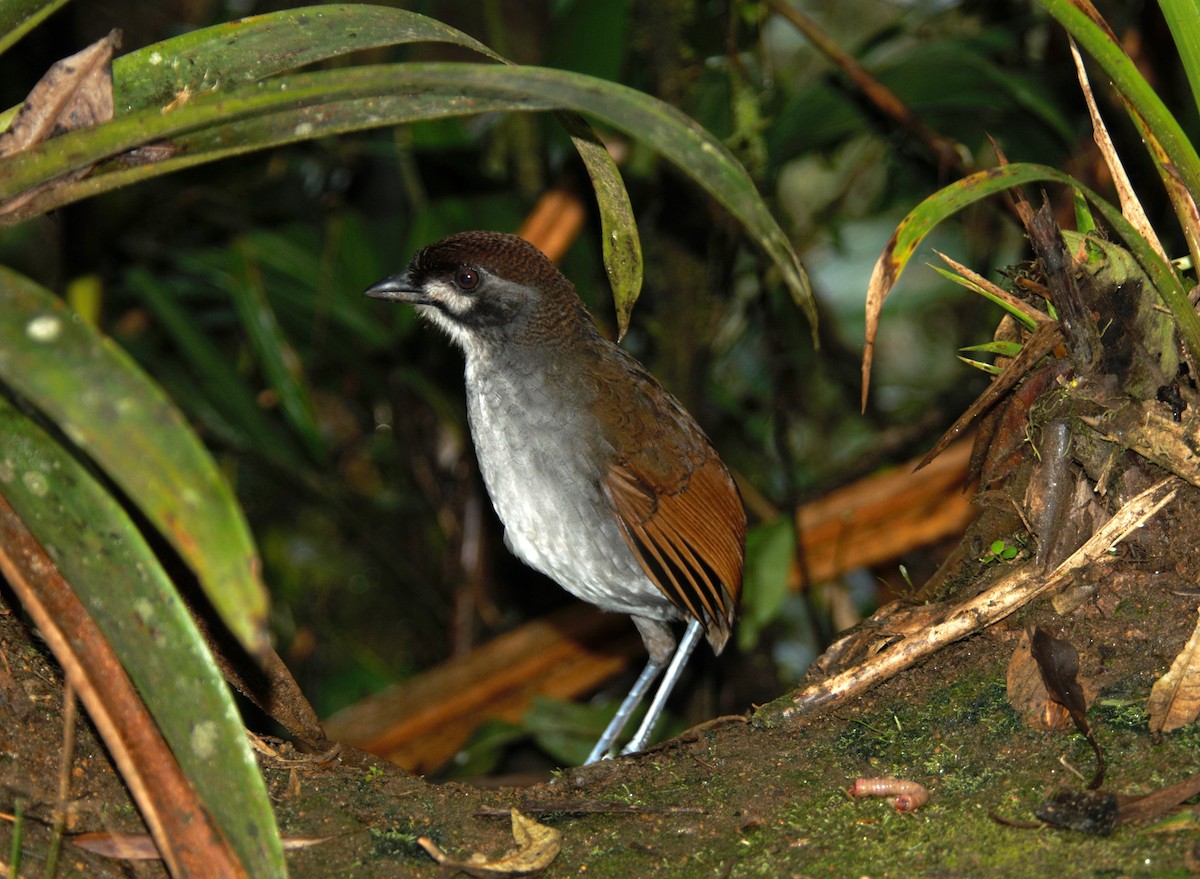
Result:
x=1175 y=697
x=1027 y=691
x=537 y=847
x=1058 y=661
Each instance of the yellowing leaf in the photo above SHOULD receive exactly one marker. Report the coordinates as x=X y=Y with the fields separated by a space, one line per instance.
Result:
x=537 y=846
x=1175 y=697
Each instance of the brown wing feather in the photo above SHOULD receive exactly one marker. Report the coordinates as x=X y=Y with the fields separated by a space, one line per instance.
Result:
x=689 y=538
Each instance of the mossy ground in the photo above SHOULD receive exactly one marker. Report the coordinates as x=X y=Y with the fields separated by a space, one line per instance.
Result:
x=760 y=799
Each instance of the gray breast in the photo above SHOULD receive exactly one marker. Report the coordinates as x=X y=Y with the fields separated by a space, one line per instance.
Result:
x=537 y=457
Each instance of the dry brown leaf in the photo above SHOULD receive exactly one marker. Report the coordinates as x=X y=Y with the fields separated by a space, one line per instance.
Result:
x=1130 y=206
x=1175 y=697
x=537 y=846
x=75 y=92
x=1027 y=691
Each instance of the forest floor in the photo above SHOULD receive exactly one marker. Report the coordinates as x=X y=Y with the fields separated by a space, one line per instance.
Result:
x=734 y=799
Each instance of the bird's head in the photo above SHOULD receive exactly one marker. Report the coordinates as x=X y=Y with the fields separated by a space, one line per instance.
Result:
x=487 y=288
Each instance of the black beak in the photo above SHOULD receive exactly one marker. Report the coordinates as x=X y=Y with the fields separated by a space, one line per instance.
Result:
x=395 y=289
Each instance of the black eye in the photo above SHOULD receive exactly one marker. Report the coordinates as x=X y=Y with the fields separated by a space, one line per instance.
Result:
x=466 y=279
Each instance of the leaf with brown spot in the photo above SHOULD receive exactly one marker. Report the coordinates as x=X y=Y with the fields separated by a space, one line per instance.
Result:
x=74 y=93
x=1175 y=697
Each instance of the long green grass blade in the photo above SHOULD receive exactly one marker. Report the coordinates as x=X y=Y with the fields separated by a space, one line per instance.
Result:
x=214 y=383
x=274 y=352
x=1081 y=22
x=19 y=17
x=1183 y=18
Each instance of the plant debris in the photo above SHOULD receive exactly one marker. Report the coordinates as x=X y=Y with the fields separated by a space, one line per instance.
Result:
x=537 y=847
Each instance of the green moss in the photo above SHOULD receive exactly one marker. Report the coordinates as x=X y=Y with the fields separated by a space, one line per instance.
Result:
x=399 y=842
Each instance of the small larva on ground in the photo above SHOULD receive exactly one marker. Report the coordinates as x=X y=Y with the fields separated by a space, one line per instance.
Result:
x=909 y=795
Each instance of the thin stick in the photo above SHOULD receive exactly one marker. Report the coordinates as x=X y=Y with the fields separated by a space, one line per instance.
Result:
x=64 y=779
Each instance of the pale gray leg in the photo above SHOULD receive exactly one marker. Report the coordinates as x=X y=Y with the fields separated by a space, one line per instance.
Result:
x=640 y=686
x=678 y=661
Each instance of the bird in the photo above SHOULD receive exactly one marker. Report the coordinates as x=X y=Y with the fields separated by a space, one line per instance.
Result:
x=601 y=479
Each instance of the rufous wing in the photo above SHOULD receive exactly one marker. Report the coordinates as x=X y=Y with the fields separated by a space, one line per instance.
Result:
x=689 y=539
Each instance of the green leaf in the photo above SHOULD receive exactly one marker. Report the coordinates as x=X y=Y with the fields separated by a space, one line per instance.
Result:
x=1005 y=349
x=114 y=413
x=1082 y=23
x=1181 y=17
x=483 y=750
x=924 y=217
x=252 y=49
x=1084 y=221
x=770 y=550
x=989 y=368
x=1017 y=314
x=117 y=577
x=618 y=229
x=302 y=106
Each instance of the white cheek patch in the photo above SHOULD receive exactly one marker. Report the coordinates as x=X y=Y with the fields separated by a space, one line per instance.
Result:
x=449 y=297
x=452 y=304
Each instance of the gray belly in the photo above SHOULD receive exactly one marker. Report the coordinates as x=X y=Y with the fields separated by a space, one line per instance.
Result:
x=537 y=462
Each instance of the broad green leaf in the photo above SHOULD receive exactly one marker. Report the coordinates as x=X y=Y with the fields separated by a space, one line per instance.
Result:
x=252 y=49
x=306 y=105
x=618 y=230
x=115 y=414
x=19 y=17
x=924 y=217
x=170 y=73
x=117 y=577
